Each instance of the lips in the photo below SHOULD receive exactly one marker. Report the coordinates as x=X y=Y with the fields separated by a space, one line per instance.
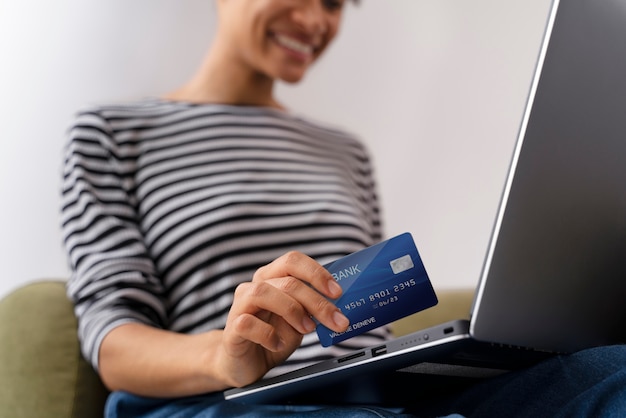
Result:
x=295 y=46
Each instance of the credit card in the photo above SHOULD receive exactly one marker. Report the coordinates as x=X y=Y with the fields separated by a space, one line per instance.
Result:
x=381 y=284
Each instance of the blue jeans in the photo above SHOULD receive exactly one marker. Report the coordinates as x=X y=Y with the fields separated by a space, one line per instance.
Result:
x=123 y=405
x=590 y=383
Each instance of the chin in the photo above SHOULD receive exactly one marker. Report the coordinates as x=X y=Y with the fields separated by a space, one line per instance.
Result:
x=292 y=79
x=290 y=73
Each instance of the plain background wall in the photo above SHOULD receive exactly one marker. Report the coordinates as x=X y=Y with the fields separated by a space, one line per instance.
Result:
x=436 y=89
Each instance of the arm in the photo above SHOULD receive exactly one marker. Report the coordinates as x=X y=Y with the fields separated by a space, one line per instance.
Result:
x=118 y=295
x=113 y=281
x=114 y=286
x=265 y=325
x=153 y=362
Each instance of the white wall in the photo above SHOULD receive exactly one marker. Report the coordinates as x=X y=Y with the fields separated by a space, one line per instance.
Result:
x=436 y=88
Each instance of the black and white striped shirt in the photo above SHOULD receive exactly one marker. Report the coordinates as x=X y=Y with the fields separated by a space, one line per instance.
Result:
x=168 y=206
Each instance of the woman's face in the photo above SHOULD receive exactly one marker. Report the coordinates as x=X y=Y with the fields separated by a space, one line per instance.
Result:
x=278 y=39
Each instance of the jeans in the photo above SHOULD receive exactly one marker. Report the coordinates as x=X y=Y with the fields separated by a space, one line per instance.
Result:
x=590 y=383
x=123 y=405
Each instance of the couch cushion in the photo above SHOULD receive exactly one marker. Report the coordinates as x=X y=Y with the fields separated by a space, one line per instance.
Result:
x=42 y=373
x=453 y=304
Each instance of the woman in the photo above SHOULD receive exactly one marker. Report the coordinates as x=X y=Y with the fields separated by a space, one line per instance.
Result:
x=175 y=207
x=171 y=205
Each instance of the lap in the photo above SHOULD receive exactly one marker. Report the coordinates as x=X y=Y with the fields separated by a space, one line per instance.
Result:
x=588 y=383
x=124 y=405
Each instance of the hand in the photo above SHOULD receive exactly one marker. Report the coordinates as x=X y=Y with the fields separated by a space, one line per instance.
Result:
x=271 y=314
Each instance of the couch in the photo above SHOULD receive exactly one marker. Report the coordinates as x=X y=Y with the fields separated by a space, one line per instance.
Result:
x=42 y=373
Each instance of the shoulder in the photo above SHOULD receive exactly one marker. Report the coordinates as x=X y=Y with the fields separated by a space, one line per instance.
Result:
x=326 y=128
x=113 y=127
x=112 y=113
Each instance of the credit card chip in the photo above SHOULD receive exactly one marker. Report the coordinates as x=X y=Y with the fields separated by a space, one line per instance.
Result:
x=401 y=264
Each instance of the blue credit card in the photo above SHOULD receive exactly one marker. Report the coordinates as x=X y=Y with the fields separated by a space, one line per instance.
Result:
x=381 y=284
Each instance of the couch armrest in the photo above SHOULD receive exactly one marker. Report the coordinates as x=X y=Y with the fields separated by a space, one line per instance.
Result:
x=453 y=304
x=42 y=373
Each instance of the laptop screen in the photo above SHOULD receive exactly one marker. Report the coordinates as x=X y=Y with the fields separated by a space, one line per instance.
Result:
x=555 y=273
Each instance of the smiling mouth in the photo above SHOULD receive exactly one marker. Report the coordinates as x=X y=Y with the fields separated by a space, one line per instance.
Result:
x=294 y=45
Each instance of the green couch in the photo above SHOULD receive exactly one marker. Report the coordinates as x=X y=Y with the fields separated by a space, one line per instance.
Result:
x=42 y=373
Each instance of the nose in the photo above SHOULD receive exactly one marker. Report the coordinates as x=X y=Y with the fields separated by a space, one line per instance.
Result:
x=311 y=16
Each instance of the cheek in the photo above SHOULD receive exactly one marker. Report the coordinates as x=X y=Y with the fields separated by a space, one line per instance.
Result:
x=333 y=29
x=253 y=46
x=327 y=42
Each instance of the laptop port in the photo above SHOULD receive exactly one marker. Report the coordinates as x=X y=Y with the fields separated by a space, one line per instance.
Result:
x=377 y=351
x=351 y=357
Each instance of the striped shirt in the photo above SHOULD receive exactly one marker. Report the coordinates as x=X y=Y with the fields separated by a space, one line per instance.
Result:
x=168 y=206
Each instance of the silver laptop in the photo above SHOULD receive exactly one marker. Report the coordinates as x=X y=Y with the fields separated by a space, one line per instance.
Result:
x=554 y=278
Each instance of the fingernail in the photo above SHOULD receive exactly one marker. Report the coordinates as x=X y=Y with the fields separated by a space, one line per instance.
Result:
x=340 y=320
x=334 y=288
x=308 y=324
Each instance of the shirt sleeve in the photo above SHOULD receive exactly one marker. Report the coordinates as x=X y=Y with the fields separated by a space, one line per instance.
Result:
x=113 y=279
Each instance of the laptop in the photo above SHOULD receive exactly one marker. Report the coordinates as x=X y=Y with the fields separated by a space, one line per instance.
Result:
x=554 y=277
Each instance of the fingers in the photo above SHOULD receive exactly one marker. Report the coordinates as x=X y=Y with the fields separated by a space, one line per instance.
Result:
x=261 y=315
x=290 y=299
x=261 y=296
x=250 y=328
x=303 y=267
x=291 y=271
x=275 y=309
x=314 y=304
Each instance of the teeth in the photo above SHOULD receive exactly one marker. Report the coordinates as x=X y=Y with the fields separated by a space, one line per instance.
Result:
x=294 y=44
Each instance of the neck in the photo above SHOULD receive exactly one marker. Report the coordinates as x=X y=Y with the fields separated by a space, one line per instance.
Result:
x=221 y=79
